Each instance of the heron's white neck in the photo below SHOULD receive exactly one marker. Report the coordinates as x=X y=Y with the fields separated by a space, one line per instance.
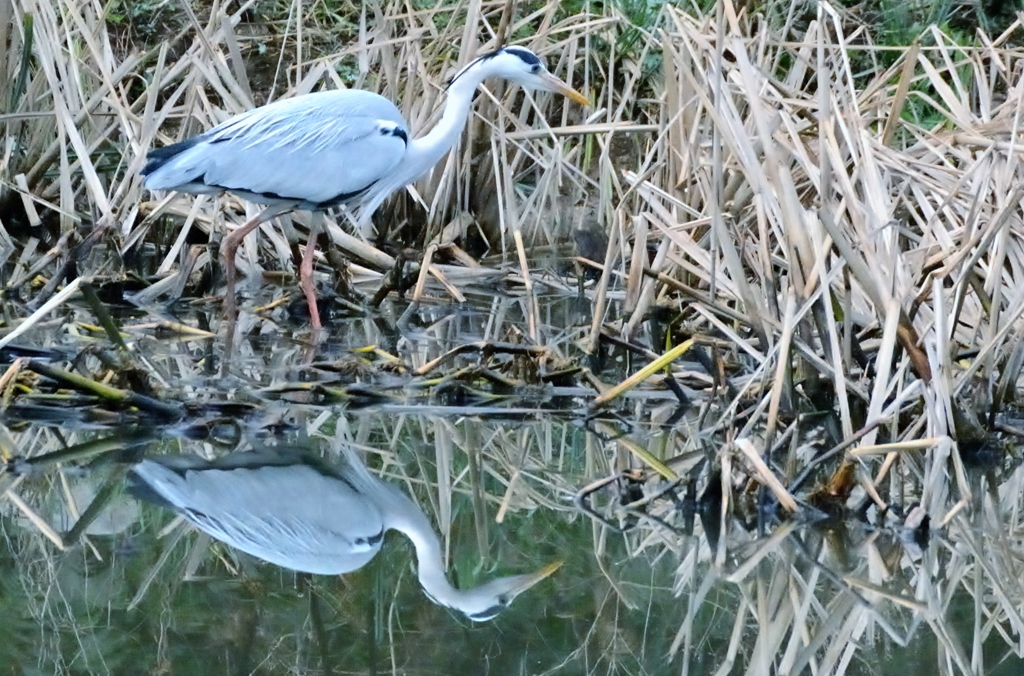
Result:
x=426 y=151
x=405 y=516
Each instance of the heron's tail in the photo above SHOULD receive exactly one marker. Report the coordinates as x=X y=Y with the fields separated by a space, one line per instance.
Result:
x=177 y=167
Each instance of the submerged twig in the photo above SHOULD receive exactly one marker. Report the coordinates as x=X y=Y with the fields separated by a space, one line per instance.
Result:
x=108 y=393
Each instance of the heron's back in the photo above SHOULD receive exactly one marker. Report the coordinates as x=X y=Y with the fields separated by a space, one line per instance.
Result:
x=317 y=150
x=290 y=515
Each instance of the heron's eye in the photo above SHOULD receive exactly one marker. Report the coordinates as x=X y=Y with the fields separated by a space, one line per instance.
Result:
x=503 y=600
x=536 y=69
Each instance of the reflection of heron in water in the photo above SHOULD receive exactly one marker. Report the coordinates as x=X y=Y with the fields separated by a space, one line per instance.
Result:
x=290 y=509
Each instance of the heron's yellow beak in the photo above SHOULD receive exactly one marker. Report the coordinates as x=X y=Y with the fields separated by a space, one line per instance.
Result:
x=556 y=85
x=524 y=582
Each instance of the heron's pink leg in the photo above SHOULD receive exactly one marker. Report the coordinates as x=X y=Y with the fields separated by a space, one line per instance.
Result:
x=306 y=269
x=229 y=247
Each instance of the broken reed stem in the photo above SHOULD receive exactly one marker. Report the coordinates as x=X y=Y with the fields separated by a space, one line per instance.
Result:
x=37 y=316
x=39 y=522
x=111 y=488
x=643 y=374
x=8 y=378
x=531 y=300
x=487 y=348
x=766 y=476
x=601 y=293
x=637 y=450
x=86 y=450
x=103 y=315
x=106 y=392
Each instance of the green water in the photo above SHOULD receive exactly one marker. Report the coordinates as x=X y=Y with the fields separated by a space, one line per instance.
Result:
x=136 y=598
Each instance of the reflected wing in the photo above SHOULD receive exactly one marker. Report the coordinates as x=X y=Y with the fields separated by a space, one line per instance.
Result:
x=290 y=515
x=319 y=148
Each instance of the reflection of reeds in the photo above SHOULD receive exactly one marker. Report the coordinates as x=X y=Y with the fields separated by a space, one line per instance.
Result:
x=798 y=596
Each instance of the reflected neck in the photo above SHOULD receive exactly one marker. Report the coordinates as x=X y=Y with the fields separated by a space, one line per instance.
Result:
x=407 y=518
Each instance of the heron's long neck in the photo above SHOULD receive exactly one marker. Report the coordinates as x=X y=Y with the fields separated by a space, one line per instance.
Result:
x=427 y=150
x=406 y=517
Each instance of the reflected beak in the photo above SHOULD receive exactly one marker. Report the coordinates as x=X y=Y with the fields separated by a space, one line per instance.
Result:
x=524 y=582
x=555 y=85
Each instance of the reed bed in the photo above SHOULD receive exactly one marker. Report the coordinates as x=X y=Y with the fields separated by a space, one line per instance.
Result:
x=805 y=300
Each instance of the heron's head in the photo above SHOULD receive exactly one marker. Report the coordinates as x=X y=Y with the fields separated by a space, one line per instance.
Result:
x=488 y=600
x=525 y=68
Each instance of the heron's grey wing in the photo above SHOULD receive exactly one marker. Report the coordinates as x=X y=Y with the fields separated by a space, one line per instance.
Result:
x=319 y=148
x=291 y=515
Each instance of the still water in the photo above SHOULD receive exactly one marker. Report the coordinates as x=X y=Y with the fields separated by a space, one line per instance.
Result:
x=95 y=580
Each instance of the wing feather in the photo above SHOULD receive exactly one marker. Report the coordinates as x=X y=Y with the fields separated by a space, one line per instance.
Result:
x=310 y=148
x=290 y=515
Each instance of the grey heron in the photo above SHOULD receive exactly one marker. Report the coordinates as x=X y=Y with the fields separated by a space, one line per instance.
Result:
x=299 y=513
x=320 y=150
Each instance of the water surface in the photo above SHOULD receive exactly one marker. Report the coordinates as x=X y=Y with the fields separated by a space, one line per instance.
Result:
x=655 y=580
